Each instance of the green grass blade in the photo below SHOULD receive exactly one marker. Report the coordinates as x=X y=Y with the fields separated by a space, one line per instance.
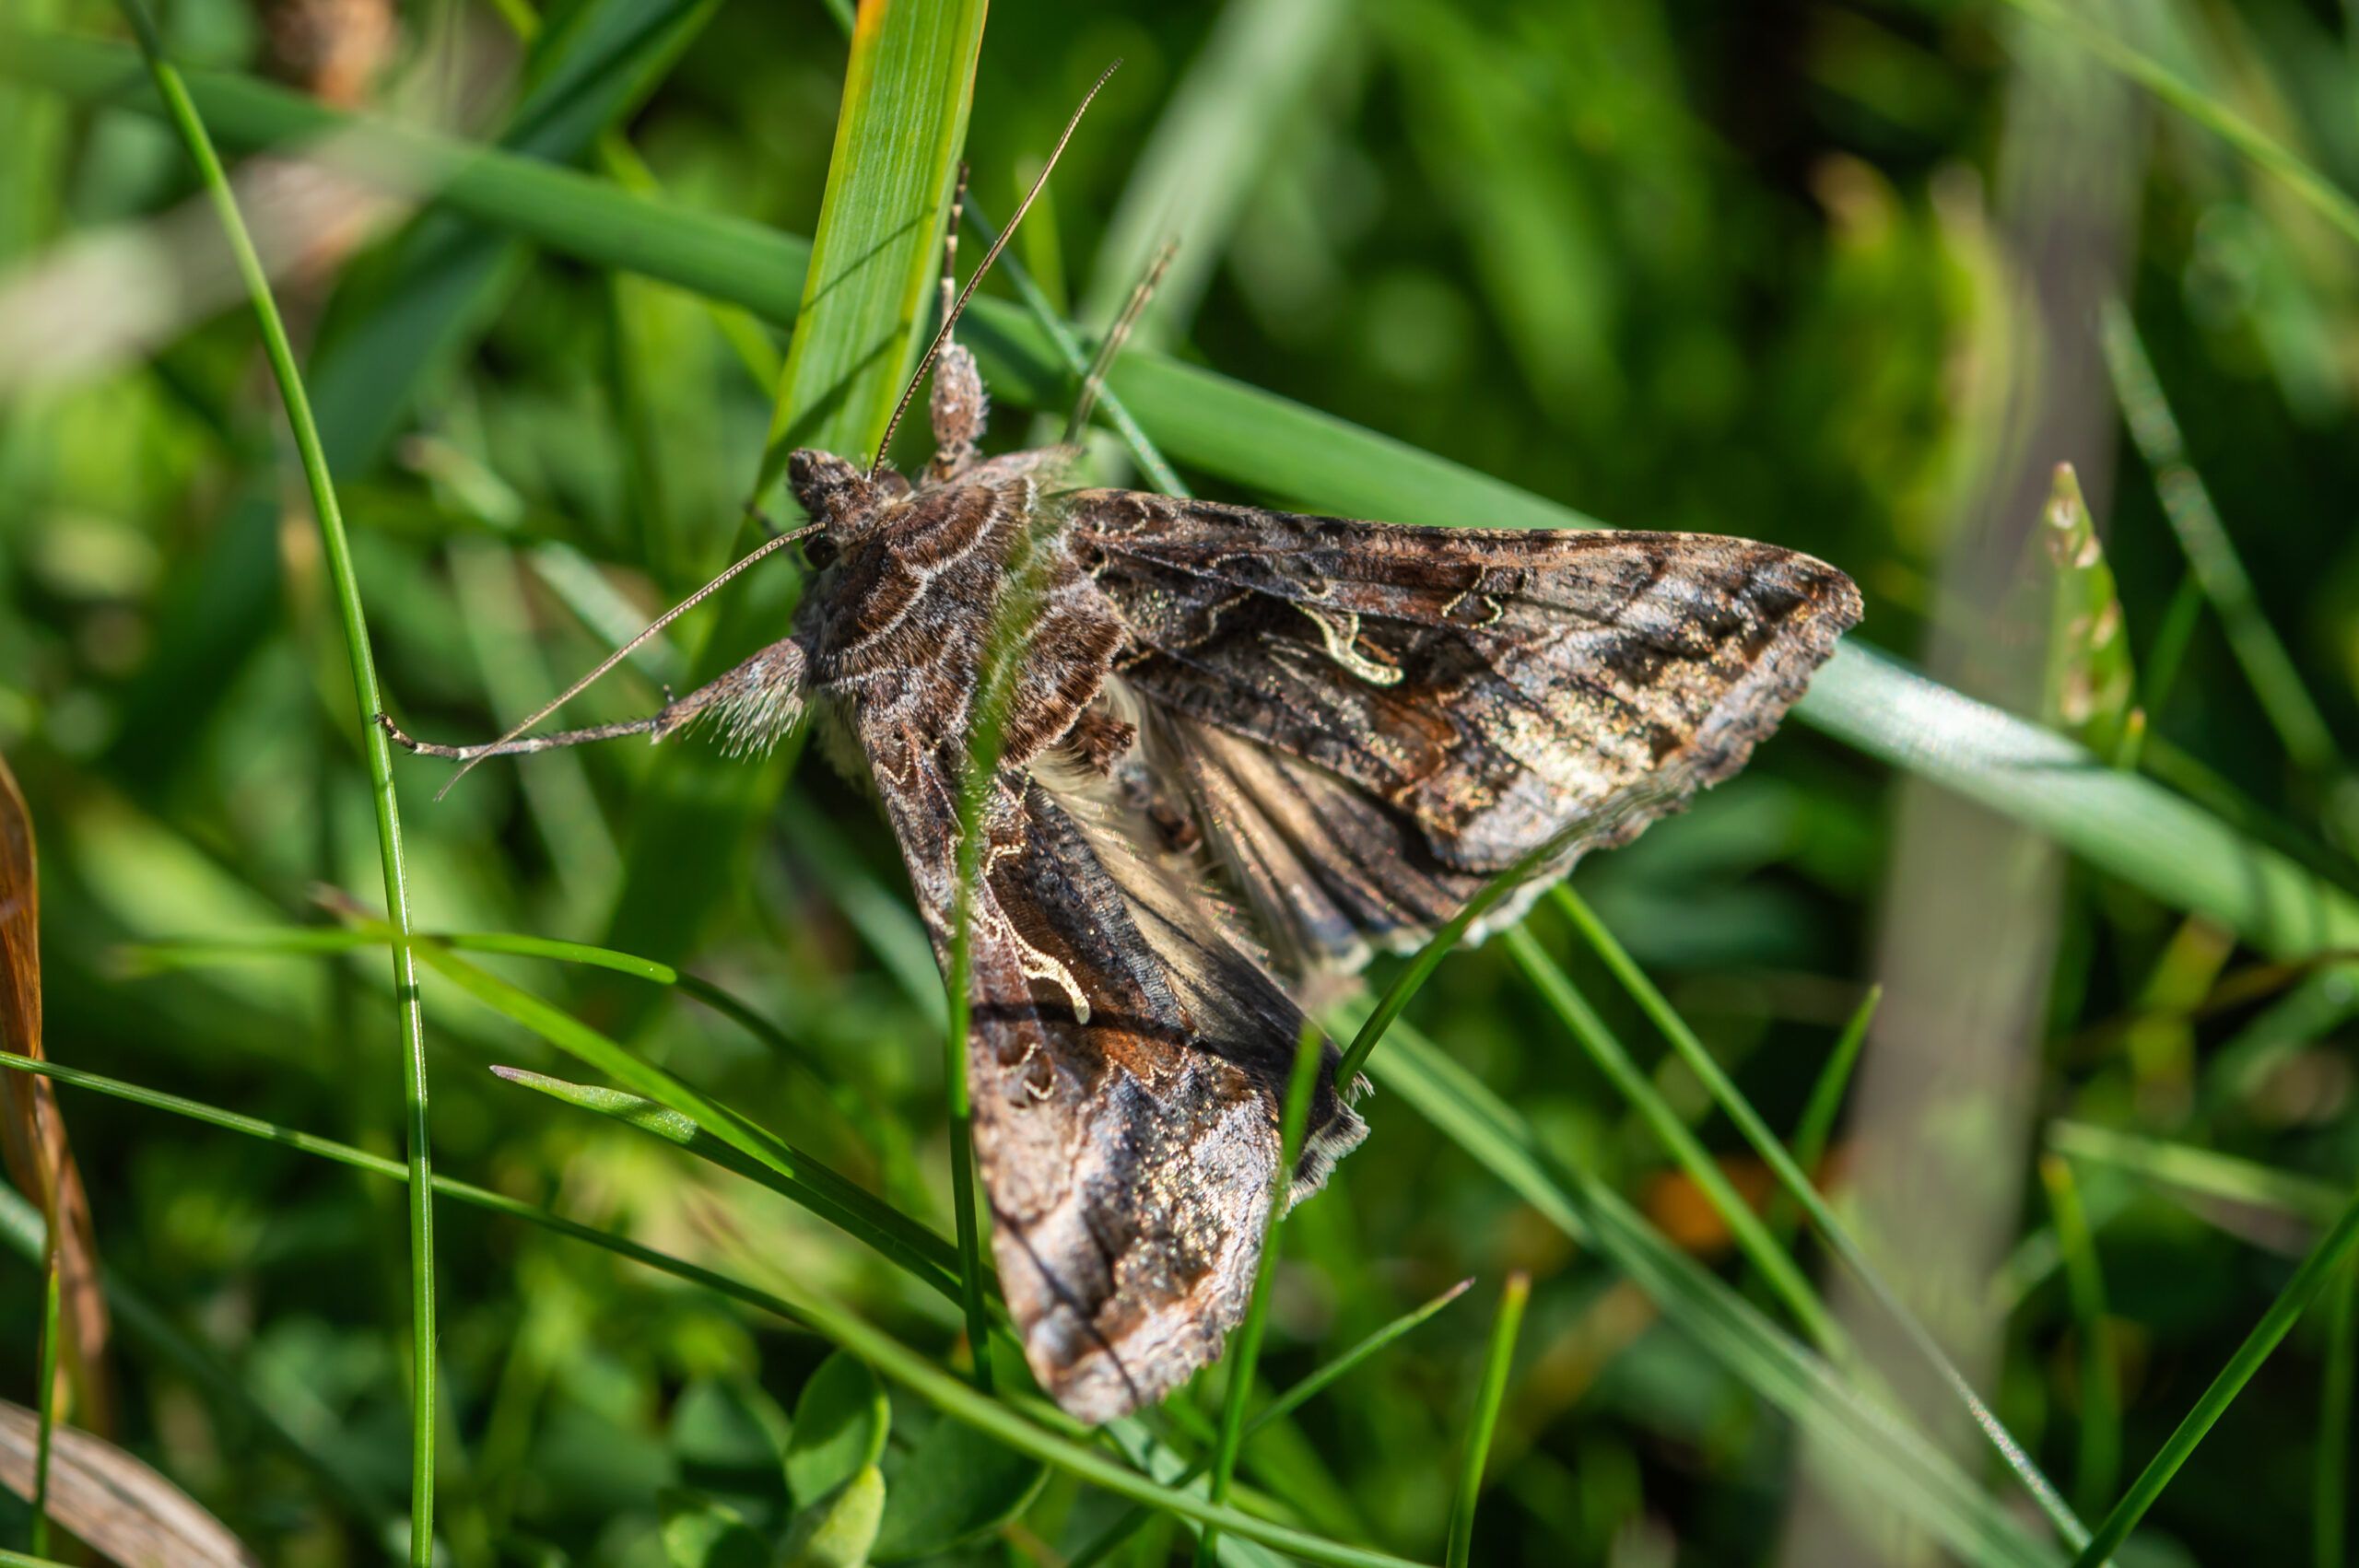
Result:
x=1880 y=1449
x=834 y=1197
x=1816 y=1127
x=2331 y=1253
x=2211 y=553
x=2124 y=825
x=377 y=1164
x=1244 y=1355
x=2100 y=1454
x=926 y=1257
x=1497 y=1361
x=375 y=748
x=877 y=254
x=2329 y=1504
x=1420 y=968
x=45 y=1390
x=2198 y=1170
x=21 y=1560
x=1283 y=1405
x=1753 y=1236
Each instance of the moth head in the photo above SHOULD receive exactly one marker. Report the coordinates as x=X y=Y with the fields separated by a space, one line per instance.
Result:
x=833 y=494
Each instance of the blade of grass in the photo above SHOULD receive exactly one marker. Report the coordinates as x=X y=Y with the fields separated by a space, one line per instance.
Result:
x=831 y=1322
x=1497 y=1361
x=2328 y=1503
x=831 y=1196
x=2198 y=1170
x=375 y=748
x=1797 y=1185
x=46 y=1370
x=923 y=1254
x=1883 y=1450
x=2099 y=1462
x=1612 y=1058
x=1421 y=966
x=2331 y=1252
x=2211 y=553
x=1120 y=1531
x=1244 y=1355
x=908 y=87
x=2126 y=827
x=1817 y=1124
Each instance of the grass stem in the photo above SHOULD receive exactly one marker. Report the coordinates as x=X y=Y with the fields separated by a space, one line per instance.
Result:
x=2329 y=1499
x=1497 y=1363
x=1245 y=1347
x=376 y=748
x=52 y=1270
x=2099 y=1463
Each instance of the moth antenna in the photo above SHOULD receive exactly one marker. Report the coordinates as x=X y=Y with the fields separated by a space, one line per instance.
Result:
x=1116 y=335
x=626 y=649
x=958 y=306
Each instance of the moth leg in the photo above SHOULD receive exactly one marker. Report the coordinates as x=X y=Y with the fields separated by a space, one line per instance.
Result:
x=757 y=703
x=959 y=406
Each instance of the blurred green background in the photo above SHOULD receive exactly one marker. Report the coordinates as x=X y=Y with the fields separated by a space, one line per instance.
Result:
x=1827 y=275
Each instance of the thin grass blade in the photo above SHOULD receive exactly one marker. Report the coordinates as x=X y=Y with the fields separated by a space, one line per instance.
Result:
x=375 y=748
x=1497 y=1361
x=1752 y=1235
x=2099 y=1463
x=2332 y=1253
x=1244 y=1355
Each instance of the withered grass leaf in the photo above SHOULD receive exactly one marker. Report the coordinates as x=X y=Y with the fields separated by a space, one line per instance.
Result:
x=32 y=1133
x=115 y=1503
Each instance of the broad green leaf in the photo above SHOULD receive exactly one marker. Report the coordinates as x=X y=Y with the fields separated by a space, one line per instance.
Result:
x=840 y=1422
x=699 y=1532
x=957 y=1486
x=838 y=1530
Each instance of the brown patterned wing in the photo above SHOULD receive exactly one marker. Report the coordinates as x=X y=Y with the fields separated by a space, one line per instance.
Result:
x=1372 y=721
x=1127 y=1065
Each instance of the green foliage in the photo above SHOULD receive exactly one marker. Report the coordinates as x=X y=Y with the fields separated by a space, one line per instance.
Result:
x=1752 y=272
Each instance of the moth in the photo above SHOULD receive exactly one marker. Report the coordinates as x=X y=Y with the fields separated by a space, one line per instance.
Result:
x=1236 y=748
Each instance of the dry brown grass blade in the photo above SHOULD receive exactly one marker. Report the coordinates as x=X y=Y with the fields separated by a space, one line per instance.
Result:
x=32 y=1133
x=115 y=1503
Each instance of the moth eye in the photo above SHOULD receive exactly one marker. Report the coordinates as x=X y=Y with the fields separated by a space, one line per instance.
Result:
x=820 y=553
